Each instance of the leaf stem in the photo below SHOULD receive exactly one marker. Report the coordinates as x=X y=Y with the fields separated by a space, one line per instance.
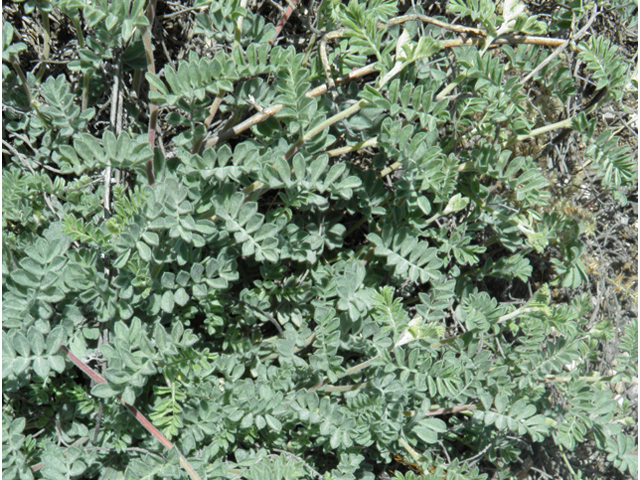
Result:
x=32 y=103
x=16 y=65
x=207 y=123
x=327 y=123
x=242 y=126
x=75 y=20
x=566 y=462
x=239 y=21
x=46 y=27
x=283 y=20
x=153 y=107
x=546 y=128
x=134 y=411
x=566 y=123
x=371 y=142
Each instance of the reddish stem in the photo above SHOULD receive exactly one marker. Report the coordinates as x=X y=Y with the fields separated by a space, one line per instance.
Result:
x=134 y=411
x=95 y=376
x=283 y=20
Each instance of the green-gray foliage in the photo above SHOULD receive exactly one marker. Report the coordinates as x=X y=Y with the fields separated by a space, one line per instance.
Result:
x=383 y=267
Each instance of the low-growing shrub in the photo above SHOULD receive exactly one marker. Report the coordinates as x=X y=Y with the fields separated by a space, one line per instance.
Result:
x=321 y=258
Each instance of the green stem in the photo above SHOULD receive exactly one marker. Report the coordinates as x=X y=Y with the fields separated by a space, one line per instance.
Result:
x=314 y=37
x=547 y=128
x=349 y=371
x=391 y=168
x=327 y=123
x=344 y=388
x=85 y=77
x=445 y=91
x=372 y=142
x=76 y=24
x=307 y=342
x=212 y=113
x=85 y=91
x=397 y=68
x=566 y=462
x=514 y=314
x=153 y=108
x=480 y=203
x=433 y=218
x=364 y=219
x=415 y=455
x=47 y=43
x=309 y=48
x=554 y=378
x=501 y=320
x=23 y=79
x=564 y=123
x=136 y=83
x=32 y=104
x=238 y=33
